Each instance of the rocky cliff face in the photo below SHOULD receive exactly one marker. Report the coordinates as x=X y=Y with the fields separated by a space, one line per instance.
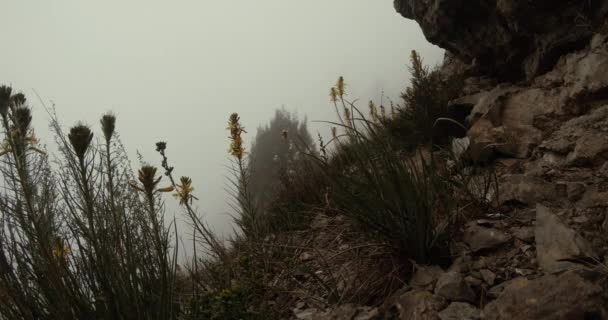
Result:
x=536 y=95
x=544 y=255
x=510 y=39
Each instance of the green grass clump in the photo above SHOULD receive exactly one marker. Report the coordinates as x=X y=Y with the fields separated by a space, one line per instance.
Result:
x=425 y=102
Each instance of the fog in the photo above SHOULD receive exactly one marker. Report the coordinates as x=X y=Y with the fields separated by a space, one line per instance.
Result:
x=175 y=70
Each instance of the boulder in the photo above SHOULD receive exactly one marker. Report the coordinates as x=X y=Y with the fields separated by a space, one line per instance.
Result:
x=452 y=286
x=582 y=140
x=555 y=241
x=425 y=277
x=551 y=297
x=525 y=189
x=488 y=276
x=480 y=238
x=418 y=304
x=460 y=311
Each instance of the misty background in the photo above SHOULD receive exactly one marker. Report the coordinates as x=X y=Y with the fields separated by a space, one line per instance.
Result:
x=175 y=70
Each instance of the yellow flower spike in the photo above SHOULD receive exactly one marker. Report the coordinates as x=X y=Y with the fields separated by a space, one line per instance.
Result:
x=60 y=251
x=333 y=95
x=372 y=111
x=236 y=142
x=340 y=87
x=184 y=191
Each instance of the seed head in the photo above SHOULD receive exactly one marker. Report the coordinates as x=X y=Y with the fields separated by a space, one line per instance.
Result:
x=18 y=99
x=161 y=146
x=108 y=125
x=285 y=134
x=80 y=137
x=334 y=132
x=5 y=96
x=383 y=112
x=148 y=179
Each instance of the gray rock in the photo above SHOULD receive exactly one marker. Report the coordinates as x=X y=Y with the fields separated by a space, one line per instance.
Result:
x=496 y=290
x=451 y=286
x=425 y=276
x=488 y=276
x=555 y=241
x=460 y=311
x=479 y=238
x=525 y=189
x=420 y=305
x=551 y=297
x=582 y=140
x=472 y=281
x=509 y=38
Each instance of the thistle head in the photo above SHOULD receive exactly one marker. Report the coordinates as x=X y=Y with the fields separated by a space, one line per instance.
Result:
x=108 y=125
x=340 y=86
x=148 y=179
x=23 y=119
x=5 y=97
x=80 y=137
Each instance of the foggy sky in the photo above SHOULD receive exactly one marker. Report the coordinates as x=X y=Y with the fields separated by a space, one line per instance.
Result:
x=175 y=70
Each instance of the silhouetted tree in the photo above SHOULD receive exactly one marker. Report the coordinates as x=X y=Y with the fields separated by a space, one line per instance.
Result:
x=278 y=146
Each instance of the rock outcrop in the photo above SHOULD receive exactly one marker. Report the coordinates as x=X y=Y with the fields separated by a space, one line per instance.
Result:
x=541 y=251
x=507 y=38
x=544 y=254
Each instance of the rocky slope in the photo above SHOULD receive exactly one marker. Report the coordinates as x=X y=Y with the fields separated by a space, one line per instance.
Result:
x=537 y=97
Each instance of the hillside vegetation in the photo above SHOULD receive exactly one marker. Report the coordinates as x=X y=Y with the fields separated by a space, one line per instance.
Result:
x=87 y=237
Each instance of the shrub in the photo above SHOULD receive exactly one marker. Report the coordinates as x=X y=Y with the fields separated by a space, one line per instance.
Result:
x=80 y=239
x=424 y=102
x=273 y=154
